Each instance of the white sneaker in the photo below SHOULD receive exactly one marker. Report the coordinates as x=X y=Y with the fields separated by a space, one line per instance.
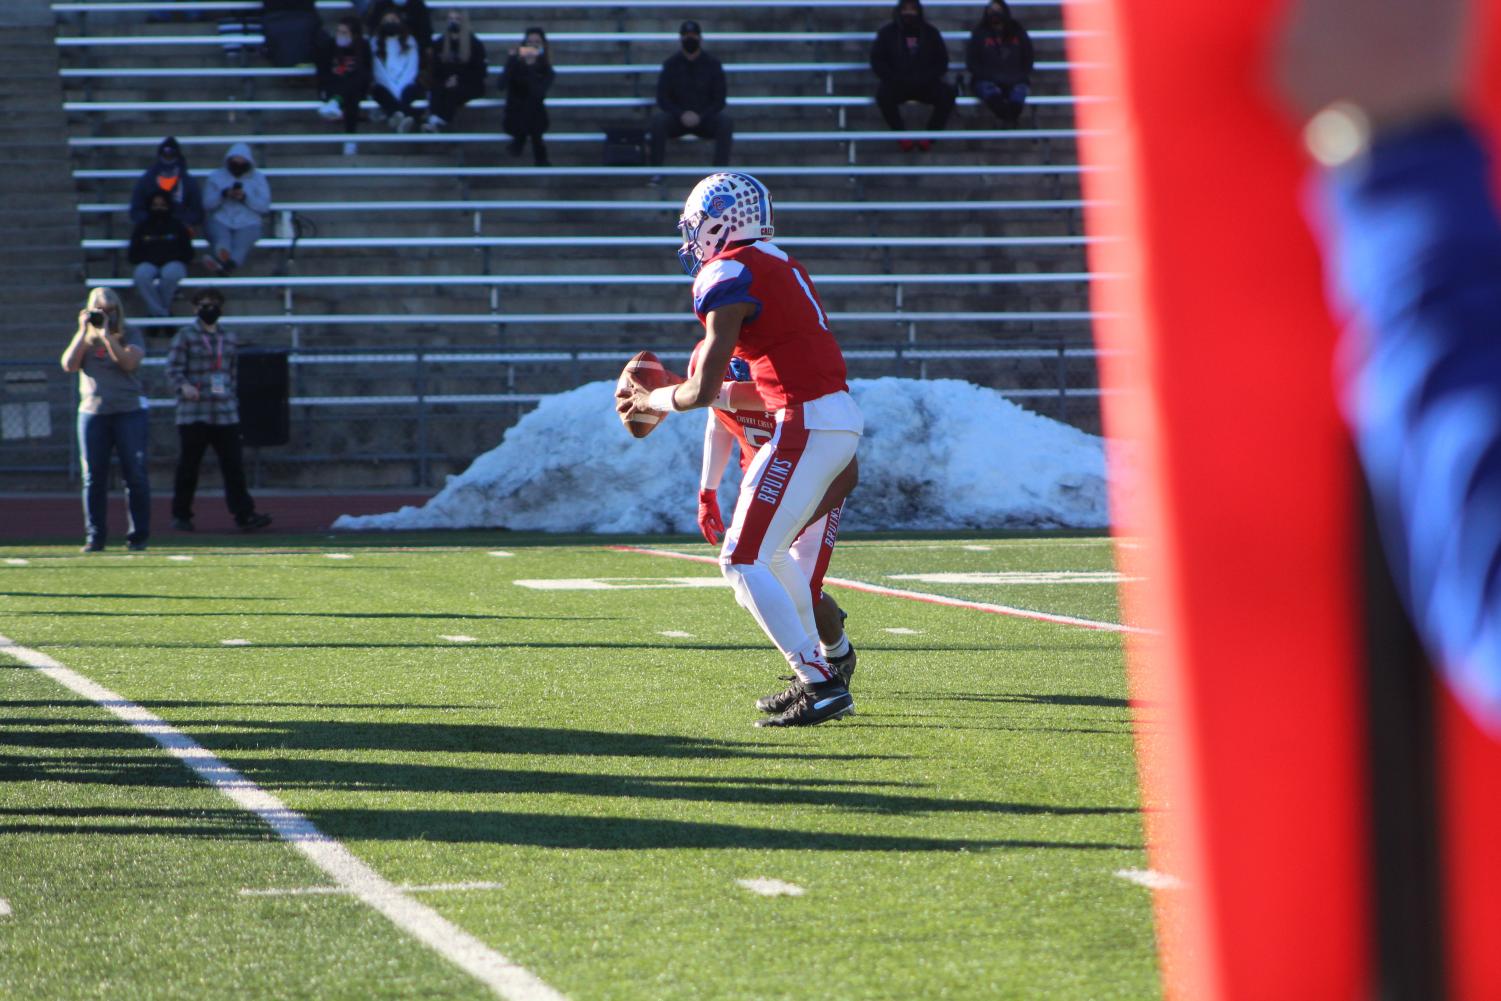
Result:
x=330 y=111
x=351 y=148
x=434 y=123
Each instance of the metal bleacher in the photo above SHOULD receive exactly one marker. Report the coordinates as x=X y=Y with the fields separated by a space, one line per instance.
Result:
x=430 y=287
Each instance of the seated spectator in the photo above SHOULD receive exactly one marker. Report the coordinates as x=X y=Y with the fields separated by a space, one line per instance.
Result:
x=691 y=95
x=413 y=13
x=459 y=71
x=291 y=28
x=168 y=174
x=344 y=76
x=236 y=198
x=395 y=64
x=999 y=59
x=910 y=59
x=161 y=248
x=528 y=75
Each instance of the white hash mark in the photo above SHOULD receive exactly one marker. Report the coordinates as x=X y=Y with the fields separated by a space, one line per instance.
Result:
x=771 y=887
x=234 y=642
x=1151 y=879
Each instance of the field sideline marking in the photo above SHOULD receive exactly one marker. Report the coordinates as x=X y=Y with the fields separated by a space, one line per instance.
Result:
x=4 y=908
x=932 y=599
x=418 y=920
x=1151 y=879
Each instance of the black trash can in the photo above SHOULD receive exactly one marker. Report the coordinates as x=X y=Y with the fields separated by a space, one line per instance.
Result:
x=265 y=397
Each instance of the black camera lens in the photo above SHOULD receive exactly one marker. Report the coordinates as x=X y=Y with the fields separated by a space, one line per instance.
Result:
x=96 y=318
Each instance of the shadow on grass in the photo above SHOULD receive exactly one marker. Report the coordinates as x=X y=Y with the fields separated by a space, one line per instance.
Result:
x=1031 y=698
x=235 y=614
x=137 y=597
x=231 y=736
x=542 y=830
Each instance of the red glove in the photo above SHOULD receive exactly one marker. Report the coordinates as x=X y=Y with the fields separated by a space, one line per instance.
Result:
x=709 y=521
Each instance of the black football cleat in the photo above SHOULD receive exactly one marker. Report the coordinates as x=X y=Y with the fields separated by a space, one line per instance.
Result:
x=814 y=705
x=779 y=701
x=844 y=666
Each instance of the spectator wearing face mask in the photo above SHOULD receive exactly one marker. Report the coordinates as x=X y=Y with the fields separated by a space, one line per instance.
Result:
x=691 y=94
x=528 y=75
x=396 y=64
x=203 y=368
x=999 y=59
x=459 y=70
x=412 y=13
x=161 y=248
x=344 y=76
x=910 y=59
x=168 y=174
x=236 y=199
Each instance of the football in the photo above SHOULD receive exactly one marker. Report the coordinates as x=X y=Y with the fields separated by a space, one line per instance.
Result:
x=647 y=371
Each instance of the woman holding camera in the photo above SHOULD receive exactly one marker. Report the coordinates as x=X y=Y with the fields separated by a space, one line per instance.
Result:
x=527 y=77
x=107 y=356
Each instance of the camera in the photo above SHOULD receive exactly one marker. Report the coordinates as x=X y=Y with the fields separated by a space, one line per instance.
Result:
x=96 y=318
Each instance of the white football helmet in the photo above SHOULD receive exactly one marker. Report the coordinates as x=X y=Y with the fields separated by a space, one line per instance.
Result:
x=721 y=209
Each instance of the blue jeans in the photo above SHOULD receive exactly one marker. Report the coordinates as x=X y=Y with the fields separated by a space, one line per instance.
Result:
x=125 y=434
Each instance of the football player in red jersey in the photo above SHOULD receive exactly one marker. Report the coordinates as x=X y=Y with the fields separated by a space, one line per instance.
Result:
x=758 y=304
x=738 y=418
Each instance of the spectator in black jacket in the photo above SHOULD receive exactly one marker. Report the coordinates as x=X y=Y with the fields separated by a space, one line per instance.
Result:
x=999 y=58
x=161 y=248
x=170 y=174
x=528 y=74
x=691 y=95
x=291 y=29
x=910 y=59
x=459 y=70
x=344 y=76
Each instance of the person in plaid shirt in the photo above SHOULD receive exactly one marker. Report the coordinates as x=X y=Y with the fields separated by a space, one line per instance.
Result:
x=203 y=369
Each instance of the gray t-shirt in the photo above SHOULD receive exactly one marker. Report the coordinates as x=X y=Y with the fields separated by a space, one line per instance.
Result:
x=104 y=387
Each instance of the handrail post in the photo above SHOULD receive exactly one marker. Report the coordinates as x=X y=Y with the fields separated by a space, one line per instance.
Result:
x=422 y=437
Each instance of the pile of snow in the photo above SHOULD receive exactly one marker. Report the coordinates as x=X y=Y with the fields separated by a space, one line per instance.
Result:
x=937 y=454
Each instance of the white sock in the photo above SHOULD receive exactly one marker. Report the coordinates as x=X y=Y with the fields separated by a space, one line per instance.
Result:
x=838 y=649
x=809 y=665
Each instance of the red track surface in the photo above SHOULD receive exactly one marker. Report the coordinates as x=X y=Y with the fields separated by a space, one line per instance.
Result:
x=53 y=517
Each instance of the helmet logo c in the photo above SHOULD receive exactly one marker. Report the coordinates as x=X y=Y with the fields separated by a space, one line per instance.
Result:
x=717 y=205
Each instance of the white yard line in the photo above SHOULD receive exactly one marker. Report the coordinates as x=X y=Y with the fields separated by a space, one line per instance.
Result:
x=418 y=920
x=771 y=887
x=17 y=562
x=902 y=631
x=181 y=559
x=5 y=911
x=234 y=642
x=1151 y=879
x=320 y=891
x=675 y=634
x=337 y=556
x=457 y=639
x=932 y=599
x=500 y=552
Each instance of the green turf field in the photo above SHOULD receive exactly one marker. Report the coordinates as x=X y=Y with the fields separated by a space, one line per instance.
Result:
x=958 y=838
